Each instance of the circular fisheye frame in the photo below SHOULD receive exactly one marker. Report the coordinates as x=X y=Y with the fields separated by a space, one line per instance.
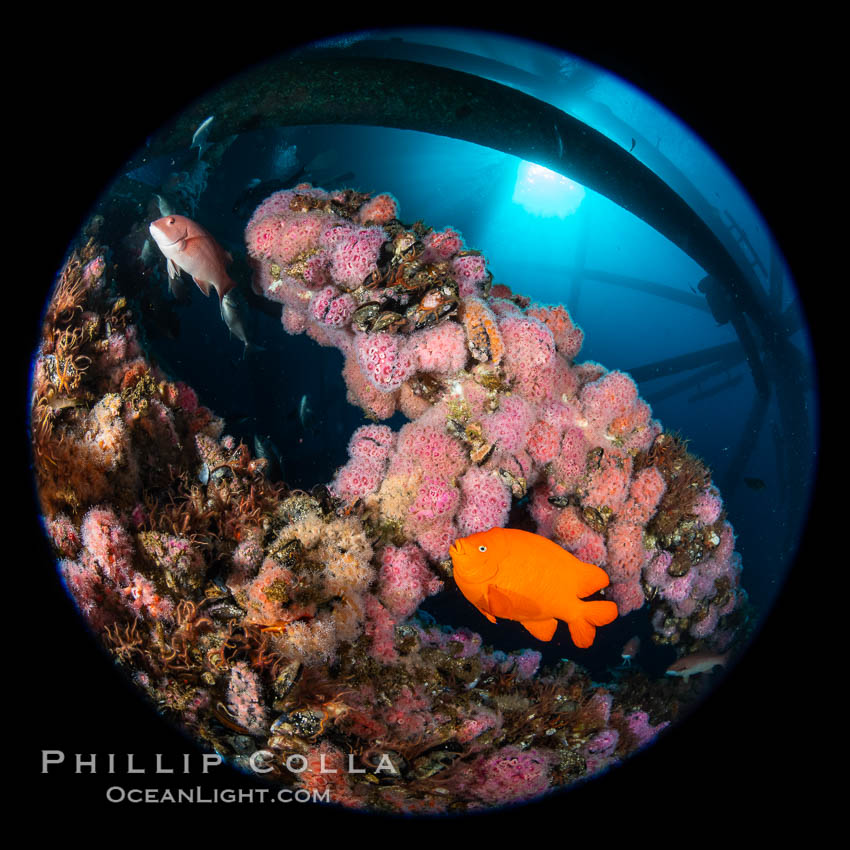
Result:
x=388 y=451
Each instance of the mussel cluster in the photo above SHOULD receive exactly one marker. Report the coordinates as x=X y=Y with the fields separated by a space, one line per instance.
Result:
x=407 y=292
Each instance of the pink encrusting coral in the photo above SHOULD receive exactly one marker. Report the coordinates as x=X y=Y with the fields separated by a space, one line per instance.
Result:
x=485 y=502
x=510 y=775
x=708 y=506
x=508 y=426
x=641 y=729
x=330 y=307
x=470 y=272
x=530 y=357
x=380 y=210
x=359 y=477
x=296 y=235
x=436 y=498
x=105 y=579
x=404 y=580
x=608 y=484
x=440 y=350
x=355 y=256
x=245 y=700
x=384 y=359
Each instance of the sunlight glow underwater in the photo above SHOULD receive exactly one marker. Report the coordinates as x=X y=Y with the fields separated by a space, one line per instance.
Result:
x=546 y=193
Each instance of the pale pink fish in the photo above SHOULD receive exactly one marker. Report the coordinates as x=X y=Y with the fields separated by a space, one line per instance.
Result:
x=699 y=662
x=187 y=246
x=630 y=650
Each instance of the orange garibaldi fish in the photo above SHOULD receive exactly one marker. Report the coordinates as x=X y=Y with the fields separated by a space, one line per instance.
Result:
x=521 y=576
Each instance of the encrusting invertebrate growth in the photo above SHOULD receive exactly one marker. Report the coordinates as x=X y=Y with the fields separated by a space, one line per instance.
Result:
x=272 y=619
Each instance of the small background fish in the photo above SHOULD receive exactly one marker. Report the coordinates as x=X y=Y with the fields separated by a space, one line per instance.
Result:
x=696 y=663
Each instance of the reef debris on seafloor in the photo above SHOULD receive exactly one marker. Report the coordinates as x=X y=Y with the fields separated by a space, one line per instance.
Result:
x=279 y=624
